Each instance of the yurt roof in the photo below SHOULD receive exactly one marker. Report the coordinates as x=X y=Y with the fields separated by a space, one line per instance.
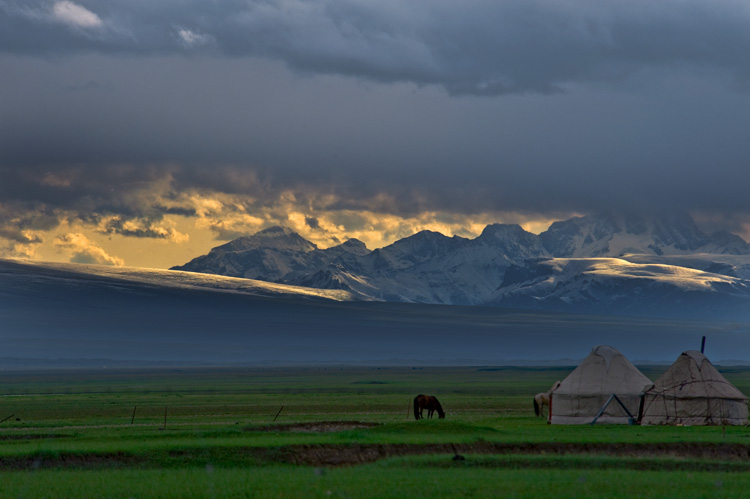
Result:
x=605 y=370
x=692 y=375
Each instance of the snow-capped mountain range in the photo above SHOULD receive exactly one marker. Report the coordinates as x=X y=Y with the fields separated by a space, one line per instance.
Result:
x=629 y=265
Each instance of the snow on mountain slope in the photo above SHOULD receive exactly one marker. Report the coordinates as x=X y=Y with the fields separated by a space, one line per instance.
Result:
x=269 y=255
x=174 y=279
x=726 y=264
x=617 y=286
x=682 y=278
x=72 y=312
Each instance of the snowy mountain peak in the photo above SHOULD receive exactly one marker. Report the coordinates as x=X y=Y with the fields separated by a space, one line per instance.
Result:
x=352 y=247
x=727 y=243
x=512 y=237
x=277 y=238
x=355 y=246
x=275 y=231
x=423 y=245
x=579 y=236
x=425 y=238
x=638 y=258
x=503 y=230
x=611 y=235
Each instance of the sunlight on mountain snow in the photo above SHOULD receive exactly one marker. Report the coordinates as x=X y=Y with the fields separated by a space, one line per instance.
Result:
x=679 y=276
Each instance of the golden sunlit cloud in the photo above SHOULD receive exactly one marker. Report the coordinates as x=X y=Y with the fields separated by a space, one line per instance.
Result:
x=157 y=218
x=82 y=250
x=22 y=250
x=318 y=218
x=136 y=227
x=19 y=242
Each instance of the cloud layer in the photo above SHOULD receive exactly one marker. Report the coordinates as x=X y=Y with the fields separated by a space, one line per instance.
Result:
x=82 y=250
x=357 y=119
x=478 y=47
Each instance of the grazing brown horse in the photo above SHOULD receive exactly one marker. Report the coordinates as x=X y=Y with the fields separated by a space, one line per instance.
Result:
x=542 y=399
x=427 y=402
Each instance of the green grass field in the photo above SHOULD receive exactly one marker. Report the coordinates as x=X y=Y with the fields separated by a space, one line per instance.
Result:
x=201 y=432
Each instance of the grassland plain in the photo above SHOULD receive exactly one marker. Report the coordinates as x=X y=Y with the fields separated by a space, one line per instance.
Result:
x=210 y=432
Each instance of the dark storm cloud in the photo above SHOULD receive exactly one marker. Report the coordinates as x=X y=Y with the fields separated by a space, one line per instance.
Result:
x=185 y=212
x=479 y=47
x=111 y=111
x=38 y=198
x=119 y=226
x=86 y=189
x=13 y=234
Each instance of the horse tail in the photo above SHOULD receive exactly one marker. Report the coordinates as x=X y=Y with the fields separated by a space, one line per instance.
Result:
x=536 y=407
x=416 y=407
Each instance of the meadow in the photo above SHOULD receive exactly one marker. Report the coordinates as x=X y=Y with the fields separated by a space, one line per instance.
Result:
x=339 y=431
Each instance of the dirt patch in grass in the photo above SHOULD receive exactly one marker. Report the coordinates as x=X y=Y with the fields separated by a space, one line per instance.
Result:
x=316 y=427
x=70 y=460
x=347 y=455
x=31 y=436
x=661 y=456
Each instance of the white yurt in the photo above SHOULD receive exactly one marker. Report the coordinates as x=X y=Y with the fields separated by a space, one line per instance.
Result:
x=585 y=392
x=693 y=392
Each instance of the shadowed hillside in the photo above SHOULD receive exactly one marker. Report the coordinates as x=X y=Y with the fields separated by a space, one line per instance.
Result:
x=72 y=312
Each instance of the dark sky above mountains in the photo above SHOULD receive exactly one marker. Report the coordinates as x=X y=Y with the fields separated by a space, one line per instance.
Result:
x=147 y=132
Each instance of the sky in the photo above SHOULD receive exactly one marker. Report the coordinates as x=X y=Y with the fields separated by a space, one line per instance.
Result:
x=144 y=133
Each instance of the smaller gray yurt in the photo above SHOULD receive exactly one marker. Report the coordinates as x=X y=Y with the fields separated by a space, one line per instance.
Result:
x=693 y=392
x=583 y=394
